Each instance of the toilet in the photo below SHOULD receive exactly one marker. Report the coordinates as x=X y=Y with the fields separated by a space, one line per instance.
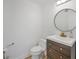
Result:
x=38 y=51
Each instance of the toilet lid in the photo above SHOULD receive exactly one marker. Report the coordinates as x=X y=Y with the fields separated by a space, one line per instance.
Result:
x=36 y=49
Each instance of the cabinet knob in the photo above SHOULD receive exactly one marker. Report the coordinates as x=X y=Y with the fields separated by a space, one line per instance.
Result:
x=61 y=49
x=61 y=57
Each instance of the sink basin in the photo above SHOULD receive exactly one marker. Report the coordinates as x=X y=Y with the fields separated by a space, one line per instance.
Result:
x=63 y=40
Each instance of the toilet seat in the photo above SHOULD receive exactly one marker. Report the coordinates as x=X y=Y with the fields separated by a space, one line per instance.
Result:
x=36 y=50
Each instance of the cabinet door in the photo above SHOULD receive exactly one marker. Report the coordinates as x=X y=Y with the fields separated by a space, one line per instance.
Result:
x=59 y=47
x=52 y=54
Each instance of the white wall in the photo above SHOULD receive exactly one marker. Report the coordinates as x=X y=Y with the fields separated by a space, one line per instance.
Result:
x=22 y=25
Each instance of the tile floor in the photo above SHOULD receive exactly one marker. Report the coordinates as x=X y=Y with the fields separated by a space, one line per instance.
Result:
x=30 y=57
x=44 y=56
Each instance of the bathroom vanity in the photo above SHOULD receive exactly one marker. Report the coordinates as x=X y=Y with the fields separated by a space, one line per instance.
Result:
x=60 y=47
x=63 y=46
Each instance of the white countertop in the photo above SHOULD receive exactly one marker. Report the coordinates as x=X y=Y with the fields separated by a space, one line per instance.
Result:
x=63 y=40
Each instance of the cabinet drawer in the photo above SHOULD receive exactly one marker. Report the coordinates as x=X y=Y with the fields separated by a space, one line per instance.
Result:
x=59 y=47
x=55 y=55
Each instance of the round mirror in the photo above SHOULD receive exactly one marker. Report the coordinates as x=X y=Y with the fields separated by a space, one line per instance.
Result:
x=65 y=20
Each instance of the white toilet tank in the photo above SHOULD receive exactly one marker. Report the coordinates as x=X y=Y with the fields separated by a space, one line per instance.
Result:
x=42 y=43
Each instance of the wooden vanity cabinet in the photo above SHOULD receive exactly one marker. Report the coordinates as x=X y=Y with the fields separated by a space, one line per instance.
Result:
x=59 y=51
